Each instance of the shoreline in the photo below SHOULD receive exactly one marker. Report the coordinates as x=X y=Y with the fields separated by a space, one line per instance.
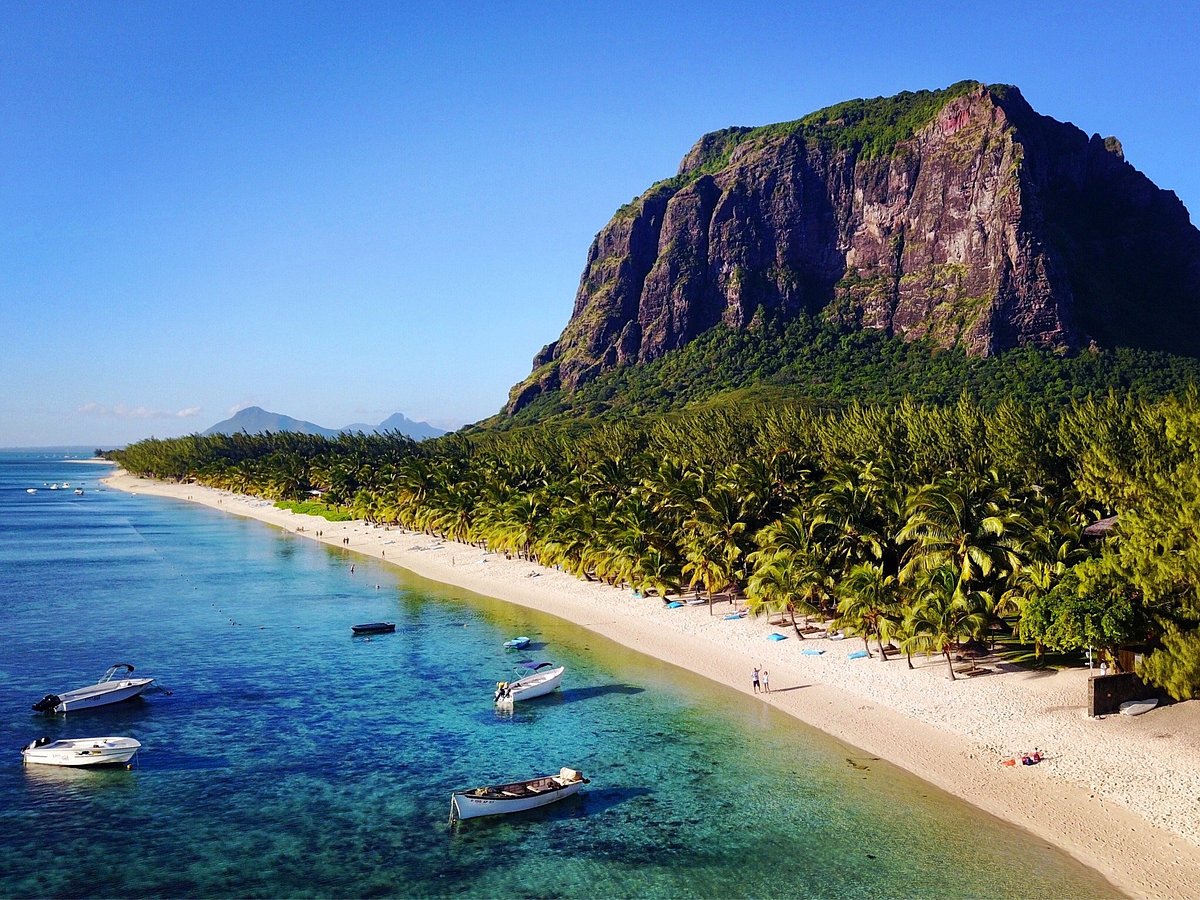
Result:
x=1121 y=795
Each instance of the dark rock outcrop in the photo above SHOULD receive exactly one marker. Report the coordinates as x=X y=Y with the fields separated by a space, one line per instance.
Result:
x=961 y=216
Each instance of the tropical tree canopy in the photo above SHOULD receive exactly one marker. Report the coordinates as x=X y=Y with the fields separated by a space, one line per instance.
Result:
x=931 y=520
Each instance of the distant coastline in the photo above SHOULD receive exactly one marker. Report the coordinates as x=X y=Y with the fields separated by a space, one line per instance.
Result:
x=1114 y=794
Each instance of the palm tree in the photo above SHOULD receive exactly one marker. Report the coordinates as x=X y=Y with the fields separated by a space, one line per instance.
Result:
x=1050 y=548
x=716 y=539
x=790 y=572
x=868 y=604
x=969 y=527
x=943 y=614
x=790 y=583
x=513 y=525
x=859 y=505
x=657 y=570
x=713 y=573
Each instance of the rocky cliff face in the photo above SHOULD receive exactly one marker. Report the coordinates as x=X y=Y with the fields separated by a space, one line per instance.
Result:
x=962 y=216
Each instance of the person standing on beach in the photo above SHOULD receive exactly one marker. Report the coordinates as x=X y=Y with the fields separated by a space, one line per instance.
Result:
x=766 y=681
x=754 y=679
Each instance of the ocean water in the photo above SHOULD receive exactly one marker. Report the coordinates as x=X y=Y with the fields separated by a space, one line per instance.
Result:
x=284 y=757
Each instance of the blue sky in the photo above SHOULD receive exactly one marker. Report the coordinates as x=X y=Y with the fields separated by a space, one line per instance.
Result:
x=342 y=210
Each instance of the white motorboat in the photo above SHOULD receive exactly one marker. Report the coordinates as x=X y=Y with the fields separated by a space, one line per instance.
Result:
x=31 y=490
x=534 y=681
x=97 y=751
x=113 y=687
x=520 y=795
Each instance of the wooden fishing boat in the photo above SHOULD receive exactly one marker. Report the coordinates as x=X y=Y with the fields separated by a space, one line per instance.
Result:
x=501 y=799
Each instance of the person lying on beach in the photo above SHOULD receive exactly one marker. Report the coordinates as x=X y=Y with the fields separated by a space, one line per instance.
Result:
x=1026 y=759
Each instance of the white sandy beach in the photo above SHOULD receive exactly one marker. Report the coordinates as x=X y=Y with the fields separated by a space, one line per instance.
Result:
x=1120 y=794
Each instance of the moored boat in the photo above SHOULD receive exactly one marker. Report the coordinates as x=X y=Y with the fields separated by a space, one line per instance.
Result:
x=97 y=751
x=496 y=800
x=536 y=680
x=113 y=687
x=517 y=643
x=374 y=628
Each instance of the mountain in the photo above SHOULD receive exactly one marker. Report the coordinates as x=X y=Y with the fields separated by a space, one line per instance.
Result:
x=960 y=216
x=418 y=431
x=255 y=420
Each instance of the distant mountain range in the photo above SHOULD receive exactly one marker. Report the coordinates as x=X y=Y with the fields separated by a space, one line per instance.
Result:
x=255 y=420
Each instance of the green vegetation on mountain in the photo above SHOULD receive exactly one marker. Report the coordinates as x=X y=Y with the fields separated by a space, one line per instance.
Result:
x=872 y=127
x=807 y=360
x=916 y=524
x=869 y=127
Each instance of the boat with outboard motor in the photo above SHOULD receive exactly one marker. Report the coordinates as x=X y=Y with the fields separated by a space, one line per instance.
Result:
x=97 y=751
x=534 y=681
x=496 y=800
x=113 y=687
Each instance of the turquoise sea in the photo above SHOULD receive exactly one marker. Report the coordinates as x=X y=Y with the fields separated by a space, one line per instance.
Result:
x=284 y=757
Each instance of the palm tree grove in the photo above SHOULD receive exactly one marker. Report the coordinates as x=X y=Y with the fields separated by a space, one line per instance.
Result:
x=917 y=528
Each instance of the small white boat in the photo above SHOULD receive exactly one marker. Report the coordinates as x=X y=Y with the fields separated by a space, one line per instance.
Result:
x=535 y=681
x=520 y=795
x=113 y=687
x=54 y=487
x=1137 y=707
x=31 y=490
x=97 y=751
x=78 y=491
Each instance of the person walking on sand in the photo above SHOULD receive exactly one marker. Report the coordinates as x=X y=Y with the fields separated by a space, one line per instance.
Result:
x=754 y=679
x=766 y=681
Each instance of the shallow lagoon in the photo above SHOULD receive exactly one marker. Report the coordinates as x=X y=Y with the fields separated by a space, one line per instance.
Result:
x=292 y=759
